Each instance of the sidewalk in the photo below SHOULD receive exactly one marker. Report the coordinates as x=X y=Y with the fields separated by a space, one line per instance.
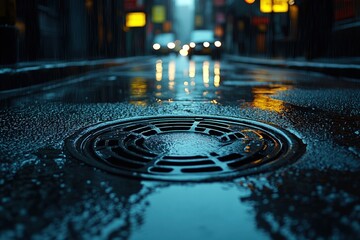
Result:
x=18 y=76
x=339 y=67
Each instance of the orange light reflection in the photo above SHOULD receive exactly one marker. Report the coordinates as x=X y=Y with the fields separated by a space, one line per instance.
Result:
x=264 y=102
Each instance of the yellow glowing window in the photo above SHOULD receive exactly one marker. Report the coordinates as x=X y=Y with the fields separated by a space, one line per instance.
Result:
x=135 y=19
x=268 y=6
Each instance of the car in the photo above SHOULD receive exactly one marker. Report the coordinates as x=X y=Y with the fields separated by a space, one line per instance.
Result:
x=203 y=42
x=164 y=43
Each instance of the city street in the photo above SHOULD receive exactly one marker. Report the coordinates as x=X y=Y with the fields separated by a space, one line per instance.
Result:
x=49 y=190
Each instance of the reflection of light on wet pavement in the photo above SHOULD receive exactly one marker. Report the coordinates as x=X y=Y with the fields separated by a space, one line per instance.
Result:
x=217 y=68
x=159 y=70
x=192 y=69
x=217 y=81
x=138 y=90
x=217 y=74
x=139 y=103
x=187 y=80
x=264 y=102
x=172 y=70
x=206 y=73
x=171 y=85
x=203 y=80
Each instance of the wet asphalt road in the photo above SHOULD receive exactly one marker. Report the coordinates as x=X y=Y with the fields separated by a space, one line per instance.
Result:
x=45 y=193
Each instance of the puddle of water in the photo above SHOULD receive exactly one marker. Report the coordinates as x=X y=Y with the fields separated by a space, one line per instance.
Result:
x=203 y=211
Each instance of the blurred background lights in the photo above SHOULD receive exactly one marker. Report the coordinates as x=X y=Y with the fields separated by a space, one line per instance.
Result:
x=206 y=44
x=171 y=45
x=156 y=46
x=135 y=19
x=250 y=1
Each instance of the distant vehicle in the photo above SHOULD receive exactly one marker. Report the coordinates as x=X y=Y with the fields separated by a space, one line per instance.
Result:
x=164 y=43
x=203 y=42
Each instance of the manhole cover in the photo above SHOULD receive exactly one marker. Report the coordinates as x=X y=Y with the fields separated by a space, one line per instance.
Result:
x=184 y=148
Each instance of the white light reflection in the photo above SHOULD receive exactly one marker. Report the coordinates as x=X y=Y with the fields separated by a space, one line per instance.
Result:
x=206 y=73
x=171 y=74
x=192 y=69
x=217 y=74
x=159 y=70
x=216 y=81
x=172 y=70
x=171 y=85
x=190 y=84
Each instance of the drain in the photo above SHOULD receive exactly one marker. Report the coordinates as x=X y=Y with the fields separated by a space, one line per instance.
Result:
x=184 y=148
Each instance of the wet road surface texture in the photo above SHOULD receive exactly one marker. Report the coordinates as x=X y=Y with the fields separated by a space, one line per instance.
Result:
x=46 y=192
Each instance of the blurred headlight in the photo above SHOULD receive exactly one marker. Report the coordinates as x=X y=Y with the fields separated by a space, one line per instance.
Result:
x=156 y=46
x=217 y=44
x=206 y=44
x=183 y=52
x=186 y=47
x=171 y=45
x=192 y=45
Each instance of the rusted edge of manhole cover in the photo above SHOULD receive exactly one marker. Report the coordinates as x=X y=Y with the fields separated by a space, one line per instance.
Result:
x=185 y=148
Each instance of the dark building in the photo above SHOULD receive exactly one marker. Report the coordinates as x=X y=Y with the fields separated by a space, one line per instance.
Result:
x=69 y=29
x=312 y=29
x=8 y=32
x=203 y=14
x=346 y=28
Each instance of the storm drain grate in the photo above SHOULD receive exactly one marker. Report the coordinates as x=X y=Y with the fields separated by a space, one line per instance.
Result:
x=184 y=148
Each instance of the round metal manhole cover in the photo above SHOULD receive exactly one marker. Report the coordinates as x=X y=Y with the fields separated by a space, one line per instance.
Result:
x=184 y=148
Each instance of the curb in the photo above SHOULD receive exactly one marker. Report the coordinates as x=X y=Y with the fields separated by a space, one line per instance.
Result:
x=16 y=77
x=333 y=69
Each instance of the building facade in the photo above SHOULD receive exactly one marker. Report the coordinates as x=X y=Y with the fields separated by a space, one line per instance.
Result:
x=71 y=29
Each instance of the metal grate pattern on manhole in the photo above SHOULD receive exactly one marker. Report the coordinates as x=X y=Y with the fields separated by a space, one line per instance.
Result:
x=184 y=148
